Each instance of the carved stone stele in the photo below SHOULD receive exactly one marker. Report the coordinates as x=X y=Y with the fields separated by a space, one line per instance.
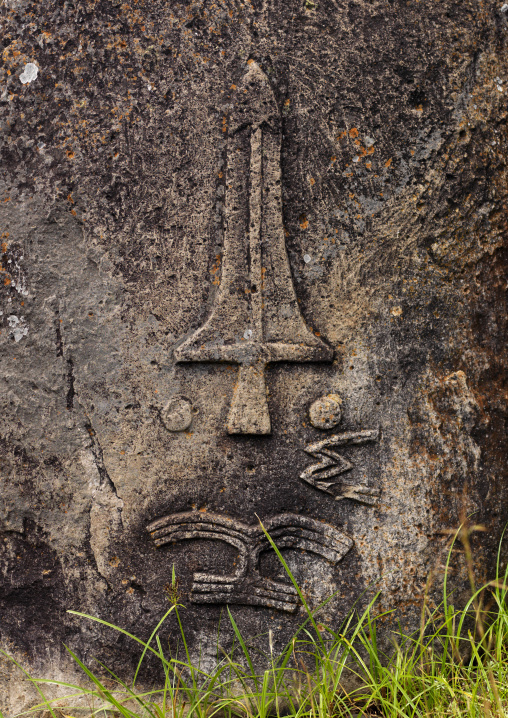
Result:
x=253 y=264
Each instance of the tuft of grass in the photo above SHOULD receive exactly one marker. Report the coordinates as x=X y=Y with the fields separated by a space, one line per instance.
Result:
x=455 y=665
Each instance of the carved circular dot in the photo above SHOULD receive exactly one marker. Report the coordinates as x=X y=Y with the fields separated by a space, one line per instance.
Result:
x=177 y=414
x=326 y=412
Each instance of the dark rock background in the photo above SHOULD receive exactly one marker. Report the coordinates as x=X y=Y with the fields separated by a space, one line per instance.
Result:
x=394 y=183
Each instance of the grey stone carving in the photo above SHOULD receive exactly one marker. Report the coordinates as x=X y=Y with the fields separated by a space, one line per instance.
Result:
x=177 y=414
x=332 y=464
x=326 y=412
x=255 y=319
x=247 y=585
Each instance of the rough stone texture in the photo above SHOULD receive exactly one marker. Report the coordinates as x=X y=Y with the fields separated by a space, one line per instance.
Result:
x=116 y=151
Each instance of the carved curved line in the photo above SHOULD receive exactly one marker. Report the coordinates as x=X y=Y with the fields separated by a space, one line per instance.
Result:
x=293 y=531
x=183 y=534
x=305 y=522
x=165 y=535
x=251 y=599
x=196 y=517
x=311 y=546
x=192 y=525
x=346 y=438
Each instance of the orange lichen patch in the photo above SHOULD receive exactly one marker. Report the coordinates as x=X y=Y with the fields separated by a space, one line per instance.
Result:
x=388 y=162
x=233 y=87
x=224 y=124
x=250 y=61
x=304 y=222
x=70 y=154
x=370 y=151
x=287 y=102
x=333 y=159
x=353 y=132
x=215 y=269
x=69 y=198
x=312 y=181
x=7 y=281
x=368 y=165
x=263 y=274
x=341 y=136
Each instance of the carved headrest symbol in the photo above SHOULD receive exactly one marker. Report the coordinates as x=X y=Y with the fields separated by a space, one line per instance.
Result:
x=247 y=585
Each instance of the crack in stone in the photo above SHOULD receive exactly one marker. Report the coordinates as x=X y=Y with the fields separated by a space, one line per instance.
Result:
x=70 y=378
x=59 y=338
x=96 y=557
x=105 y=480
x=105 y=514
x=98 y=456
x=61 y=352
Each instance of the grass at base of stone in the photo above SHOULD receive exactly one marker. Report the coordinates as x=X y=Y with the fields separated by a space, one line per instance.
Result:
x=456 y=665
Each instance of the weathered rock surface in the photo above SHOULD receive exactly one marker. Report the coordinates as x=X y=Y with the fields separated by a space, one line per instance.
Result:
x=216 y=216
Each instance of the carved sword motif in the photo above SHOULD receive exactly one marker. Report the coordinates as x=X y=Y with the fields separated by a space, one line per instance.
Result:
x=247 y=585
x=255 y=319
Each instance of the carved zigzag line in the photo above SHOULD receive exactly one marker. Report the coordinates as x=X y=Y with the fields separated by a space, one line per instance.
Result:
x=330 y=462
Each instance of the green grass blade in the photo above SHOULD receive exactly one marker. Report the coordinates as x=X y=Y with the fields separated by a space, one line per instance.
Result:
x=44 y=699
x=309 y=612
x=244 y=648
x=103 y=691
x=145 y=649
